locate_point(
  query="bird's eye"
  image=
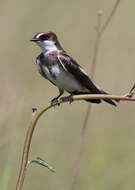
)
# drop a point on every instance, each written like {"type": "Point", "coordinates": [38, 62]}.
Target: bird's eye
{"type": "Point", "coordinates": [44, 37]}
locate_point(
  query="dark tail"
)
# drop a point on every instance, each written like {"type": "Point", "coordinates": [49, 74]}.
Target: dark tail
{"type": "Point", "coordinates": [97, 101]}
{"type": "Point", "coordinates": [109, 100]}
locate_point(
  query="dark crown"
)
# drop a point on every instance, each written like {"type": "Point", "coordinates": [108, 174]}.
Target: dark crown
{"type": "Point", "coordinates": [42, 36]}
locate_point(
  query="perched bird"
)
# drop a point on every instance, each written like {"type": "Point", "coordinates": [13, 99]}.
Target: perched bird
{"type": "Point", "coordinates": [62, 70]}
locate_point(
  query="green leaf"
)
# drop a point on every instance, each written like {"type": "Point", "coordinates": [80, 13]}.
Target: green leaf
{"type": "Point", "coordinates": [41, 162]}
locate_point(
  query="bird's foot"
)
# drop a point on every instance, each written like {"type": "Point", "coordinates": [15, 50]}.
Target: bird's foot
{"type": "Point", "coordinates": [67, 99]}
{"type": "Point", "coordinates": [55, 102]}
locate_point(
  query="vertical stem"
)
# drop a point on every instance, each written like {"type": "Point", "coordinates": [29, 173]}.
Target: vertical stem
{"type": "Point", "coordinates": [26, 147]}
{"type": "Point", "coordinates": [88, 112]}
{"type": "Point", "coordinates": [100, 29]}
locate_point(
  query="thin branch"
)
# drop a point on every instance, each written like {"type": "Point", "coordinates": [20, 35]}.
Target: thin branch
{"type": "Point", "coordinates": [27, 144]}
{"type": "Point", "coordinates": [35, 118]}
{"type": "Point", "coordinates": [132, 89]}
{"type": "Point", "coordinates": [100, 30]}
{"type": "Point", "coordinates": [108, 20]}
{"type": "Point", "coordinates": [102, 96]}
{"type": "Point", "coordinates": [88, 111]}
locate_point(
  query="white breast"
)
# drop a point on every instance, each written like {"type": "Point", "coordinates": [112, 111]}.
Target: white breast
{"type": "Point", "coordinates": [49, 47]}
{"type": "Point", "coordinates": [63, 79]}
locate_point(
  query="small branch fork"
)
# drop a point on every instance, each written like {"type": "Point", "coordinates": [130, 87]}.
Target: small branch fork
{"type": "Point", "coordinates": [38, 114]}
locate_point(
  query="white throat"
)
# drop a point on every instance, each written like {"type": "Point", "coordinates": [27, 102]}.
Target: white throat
{"type": "Point", "coordinates": [47, 46]}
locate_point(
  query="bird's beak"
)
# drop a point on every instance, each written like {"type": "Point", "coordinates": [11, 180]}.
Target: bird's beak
{"type": "Point", "coordinates": [33, 40]}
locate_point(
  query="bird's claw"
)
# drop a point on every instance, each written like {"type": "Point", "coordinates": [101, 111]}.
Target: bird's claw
{"type": "Point", "coordinates": [67, 98]}
{"type": "Point", "coordinates": [55, 102]}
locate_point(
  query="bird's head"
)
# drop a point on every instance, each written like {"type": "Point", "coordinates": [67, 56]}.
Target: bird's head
{"type": "Point", "coordinates": [46, 40]}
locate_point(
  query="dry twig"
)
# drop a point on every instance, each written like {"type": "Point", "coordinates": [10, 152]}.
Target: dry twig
{"type": "Point", "coordinates": [100, 30]}
{"type": "Point", "coordinates": [35, 118]}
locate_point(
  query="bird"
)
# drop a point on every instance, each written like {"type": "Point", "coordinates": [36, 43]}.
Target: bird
{"type": "Point", "coordinates": [55, 65]}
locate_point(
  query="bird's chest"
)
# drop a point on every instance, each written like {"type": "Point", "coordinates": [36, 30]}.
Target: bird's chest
{"type": "Point", "coordinates": [45, 69]}
{"type": "Point", "coordinates": [49, 71]}
{"type": "Point", "coordinates": [59, 76]}
{"type": "Point", "coordinates": [62, 78]}
{"type": "Point", "coordinates": [53, 72]}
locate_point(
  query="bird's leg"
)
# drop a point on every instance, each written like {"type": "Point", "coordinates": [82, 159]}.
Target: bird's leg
{"type": "Point", "coordinates": [55, 101]}
{"type": "Point", "coordinates": [68, 98]}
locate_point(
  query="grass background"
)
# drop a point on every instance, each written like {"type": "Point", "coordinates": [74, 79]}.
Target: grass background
{"type": "Point", "coordinates": [108, 158]}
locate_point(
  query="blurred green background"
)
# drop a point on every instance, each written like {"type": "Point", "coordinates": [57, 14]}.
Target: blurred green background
{"type": "Point", "coordinates": [108, 159]}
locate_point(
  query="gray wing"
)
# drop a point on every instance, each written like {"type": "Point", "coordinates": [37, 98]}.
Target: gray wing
{"type": "Point", "coordinates": [77, 71]}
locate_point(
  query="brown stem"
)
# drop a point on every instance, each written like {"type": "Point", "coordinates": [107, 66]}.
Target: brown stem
{"type": "Point", "coordinates": [88, 111]}
{"type": "Point", "coordinates": [100, 30]}
{"type": "Point", "coordinates": [108, 20]}
{"type": "Point", "coordinates": [26, 147]}
{"type": "Point", "coordinates": [32, 125]}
